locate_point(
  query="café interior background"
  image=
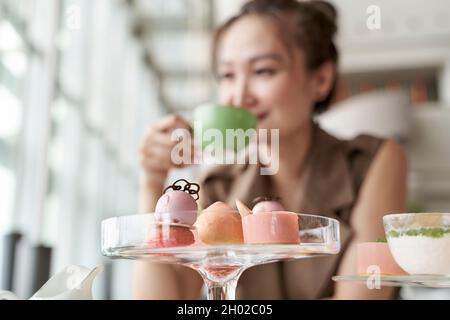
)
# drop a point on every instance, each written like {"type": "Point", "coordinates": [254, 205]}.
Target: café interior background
{"type": "Point", "coordinates": [81, 80]}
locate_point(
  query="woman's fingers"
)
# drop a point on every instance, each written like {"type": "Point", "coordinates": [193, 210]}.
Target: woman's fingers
{"type": "Point", "coordinates": [165, 123]}
{"type": "Point", "coordinates": [178, 157]}
{"type": "Point", "coordinates": [163, 143]}
{"type": "Point", "coordinates": [161, 132]}
{"type": "Point", "coordinates": [158, 139]}
{"type": "Point", "coordinates": [158, 153]}
{"type": "Point", "coordinates": [163, 162]}
{"type": "Point", "coordinates": [172, 122]}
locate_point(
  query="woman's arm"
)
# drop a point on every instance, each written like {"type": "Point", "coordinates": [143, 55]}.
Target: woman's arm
{"type": "Point", "coordinates": [153, 280]}
{"type": "Point", "coordinates": [383, 191]}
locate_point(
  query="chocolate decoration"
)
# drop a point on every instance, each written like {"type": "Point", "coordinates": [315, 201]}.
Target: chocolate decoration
{"type": "Point", "coordinates": [265, 198]}
{"type": "Point", "coordinates": [189, 187]}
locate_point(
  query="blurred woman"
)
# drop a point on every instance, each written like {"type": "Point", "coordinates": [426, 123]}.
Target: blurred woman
{"type": "Point", "coordinates": [278, 60]}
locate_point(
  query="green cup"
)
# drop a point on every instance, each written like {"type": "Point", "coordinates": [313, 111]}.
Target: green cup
{"type": "Point", "coordinates": [229, 127]}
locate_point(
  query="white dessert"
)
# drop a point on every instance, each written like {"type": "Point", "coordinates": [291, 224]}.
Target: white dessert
{"type": "Point", "coordinates": [419, 254]}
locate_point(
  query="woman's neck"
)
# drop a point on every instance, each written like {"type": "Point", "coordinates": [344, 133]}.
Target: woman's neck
{"type": "Point", "coordinates": [293, 152]}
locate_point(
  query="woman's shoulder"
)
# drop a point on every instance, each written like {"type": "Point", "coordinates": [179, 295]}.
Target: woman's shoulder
{"type": "Point", "coordinates": [359, 145]}
{"type": "Point", "coordinates": [364, 146]}
{"type": "Point", "coordinates": [344, 164]}
{"type": "Point", "coordinates": [369, 149]}
{"type": "Point", "coordinates": [364, 150]}
{"type": "Point", "coordinates": [364, 143]}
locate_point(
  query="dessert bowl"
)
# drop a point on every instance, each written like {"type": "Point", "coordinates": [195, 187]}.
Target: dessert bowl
{"type": "Point", "coordinates": [419, 242]}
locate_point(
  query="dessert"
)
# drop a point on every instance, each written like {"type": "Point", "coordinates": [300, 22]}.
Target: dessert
{"type": "Point", "coordinates": [422, 250]}
{"type": "Point", "coordinates": [162, 236]}
{"type": "Point", "coordinates": [176, 206]}
{"type": "Point", "coordinates": [175, 214]}
{"type": "Point", "coordinates": [265, 204]}
{"type": "Point", "coordinates": [420, 242]}
{"type": "Point", "coordinates": [219, 224]}
{"type": "Point", "coordinates": [277, 226]}
{"type": "Point", "coordinates": [375, 257]}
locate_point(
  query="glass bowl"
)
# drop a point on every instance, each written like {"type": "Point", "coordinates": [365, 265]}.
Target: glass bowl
{"type": "Point", "coordinates": [420, 242]}
{"type": "Point", "coordinates": [144, 237]}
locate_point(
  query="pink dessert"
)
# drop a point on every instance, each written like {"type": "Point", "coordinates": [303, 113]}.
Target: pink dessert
{"type": "Point", "coordinates": [373, 257]}
{"type": "Point", "coordinates": [267, 205]}
{"type": "Point", "coordinates": [175, 214]}
{"type": "Point", "coordinates": [261, 227]}
{"type": "Point", "coordinates": [179, 206]}
{"type": "Point", "coordinates": [219, 224]}
{"type": "Point", "coordinates": [170, 236]}
{"type": "Point", "coordinates": [271, 227]}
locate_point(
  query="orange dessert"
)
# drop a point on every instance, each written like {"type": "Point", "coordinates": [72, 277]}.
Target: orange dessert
{"type": "Point", "coordinates": [219, 224]}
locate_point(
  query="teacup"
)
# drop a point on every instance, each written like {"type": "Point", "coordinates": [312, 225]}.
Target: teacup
{"type": "Point", "coordinates": [228, 127]}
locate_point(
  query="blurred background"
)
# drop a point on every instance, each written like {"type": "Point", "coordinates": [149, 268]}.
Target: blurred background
{"type": "Point", "coordinates": [80, 80]}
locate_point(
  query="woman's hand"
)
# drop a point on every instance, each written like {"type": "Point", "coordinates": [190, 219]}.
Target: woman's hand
{"type": "Point", "coordinates": [156, 148]}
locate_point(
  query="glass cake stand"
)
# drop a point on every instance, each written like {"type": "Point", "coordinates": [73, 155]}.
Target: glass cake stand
{"type": "Point", "coordinates": [127, 237]}
{"type": "Point", "coordinates": [413, 280]}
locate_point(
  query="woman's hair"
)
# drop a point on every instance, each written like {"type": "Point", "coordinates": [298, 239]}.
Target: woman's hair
{"type": "Point", "coordinates": [310, 25]}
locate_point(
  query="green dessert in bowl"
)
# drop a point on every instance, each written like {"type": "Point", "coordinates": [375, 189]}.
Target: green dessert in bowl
{"type": "Point", "coordinates": [420, 242]}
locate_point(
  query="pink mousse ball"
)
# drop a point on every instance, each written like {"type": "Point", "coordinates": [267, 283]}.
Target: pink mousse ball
{"type": "Point", "coordinates": [181, 207]}
{"type": "Point", "coordinates": [266, 206]}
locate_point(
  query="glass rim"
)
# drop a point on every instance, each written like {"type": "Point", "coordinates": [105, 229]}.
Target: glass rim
{"type": "Point", "coordinates": [410, 214]}
{"type": "Point", "coordinates": [152, 220]}
{"type": "Point", "coordinates": [220, 210]}
{"type": "Point", "coordinates": [199, 212]}
{"type": "Point", "coordinates": [279, 212]}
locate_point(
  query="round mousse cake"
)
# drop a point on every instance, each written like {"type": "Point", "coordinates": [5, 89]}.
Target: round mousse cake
{"type": "Point", "coordinates": [280, 227]}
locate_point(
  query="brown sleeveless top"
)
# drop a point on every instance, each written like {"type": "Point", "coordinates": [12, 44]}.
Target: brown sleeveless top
{"type": "Point", "coordinates": [334, 172]}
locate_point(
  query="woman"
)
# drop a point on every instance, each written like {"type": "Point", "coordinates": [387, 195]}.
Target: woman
{"type": "Point", "coordinates": [278, 60]}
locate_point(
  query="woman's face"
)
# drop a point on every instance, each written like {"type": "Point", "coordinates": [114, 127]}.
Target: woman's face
{"type": "Point", "coordinates": [256, 71]}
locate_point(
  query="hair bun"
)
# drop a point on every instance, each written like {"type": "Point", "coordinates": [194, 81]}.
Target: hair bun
{"type": "Point", "coordinates": [326, 8]}
{"type": "Point", "coordinates": [328, 14]}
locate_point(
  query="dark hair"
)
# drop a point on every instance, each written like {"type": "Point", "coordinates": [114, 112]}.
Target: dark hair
{"type": "Point", "coordinates": [314, 24]}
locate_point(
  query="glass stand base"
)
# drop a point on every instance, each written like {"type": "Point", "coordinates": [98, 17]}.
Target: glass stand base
{"type": "Point", "coordinates": [221, 281]}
